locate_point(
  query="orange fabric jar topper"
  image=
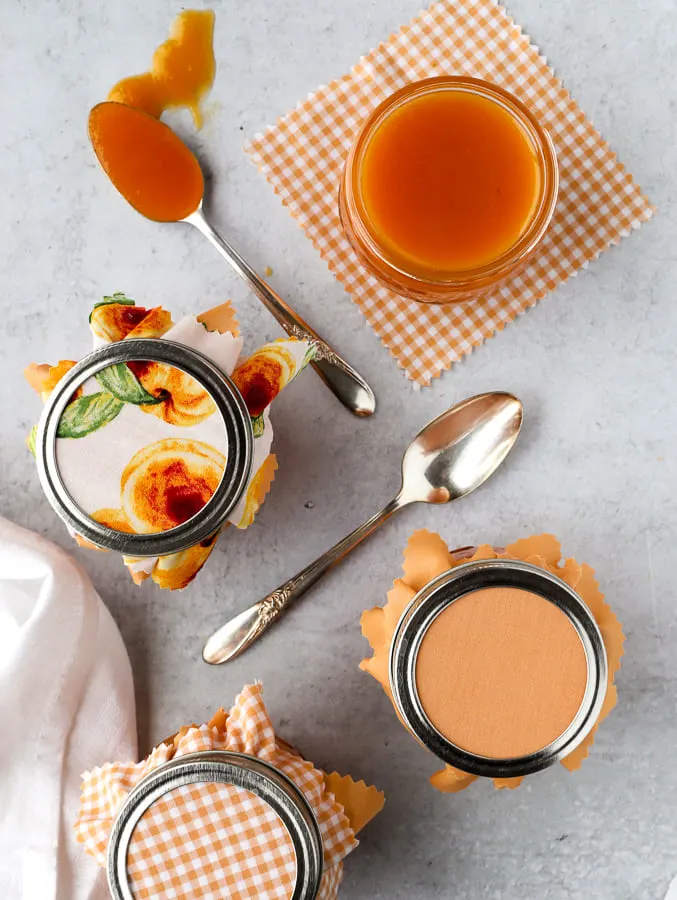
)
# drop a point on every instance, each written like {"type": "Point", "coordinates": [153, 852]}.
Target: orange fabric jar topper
{"type": "Point", "coordinates": [500, 672]}
{"type": "Point", "coordinates": [147, 452]}
{"type": "Point", "coordinates": [220, 835]}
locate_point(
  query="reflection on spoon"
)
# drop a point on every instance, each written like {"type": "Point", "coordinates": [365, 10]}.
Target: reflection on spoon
{"type": "Point", "coordinates": [159, 176]}
{"type": "Point", "coordinates": [453, 455]}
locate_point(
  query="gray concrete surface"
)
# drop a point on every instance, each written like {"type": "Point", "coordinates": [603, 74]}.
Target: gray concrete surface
{"type": "Point", "coordinates": [594, 364]}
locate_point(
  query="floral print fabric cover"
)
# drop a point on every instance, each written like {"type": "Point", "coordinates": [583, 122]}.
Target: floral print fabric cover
{"type": "Point", "coordinates": [183, 841]}
{"type": "Point", "coordinates": [156, 470]}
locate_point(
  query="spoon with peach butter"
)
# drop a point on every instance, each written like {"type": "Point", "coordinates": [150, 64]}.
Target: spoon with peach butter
{"type": "Point", "coordinates": [161, 178]}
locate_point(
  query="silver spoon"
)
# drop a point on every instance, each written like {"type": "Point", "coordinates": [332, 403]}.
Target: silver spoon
{"type": "Point", "coordinates": [345, 383]}
{"type": "Point", "coordinates": [449, 458]}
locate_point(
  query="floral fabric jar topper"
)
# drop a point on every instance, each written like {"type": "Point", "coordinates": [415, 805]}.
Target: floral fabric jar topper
{"type": "Point", "coordinates": [140, 446]}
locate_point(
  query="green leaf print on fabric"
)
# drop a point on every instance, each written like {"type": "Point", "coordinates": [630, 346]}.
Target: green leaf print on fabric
{"type": "Point", "coordinates": [32, 438]}
{"type": "Point", "coordinates": [121, 382]}
{"type": "Point", "coordinates": [87, 414]}
{"type": "Point", "coordinates": [117, 297]}
{"type": "Point", "coordinates": [258, 425]}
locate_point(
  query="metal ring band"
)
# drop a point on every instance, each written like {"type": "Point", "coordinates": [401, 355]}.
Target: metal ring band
{"type": "Point", "coordinates": [222, 767]}
{"type": "Point", "coordinates": [239, 441]}
{"type": "Point", "coordinates": [444, 590]}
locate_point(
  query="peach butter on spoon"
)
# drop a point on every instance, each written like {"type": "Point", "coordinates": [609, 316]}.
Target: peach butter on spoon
{"type": "Point", "coordinates": [161, 178]}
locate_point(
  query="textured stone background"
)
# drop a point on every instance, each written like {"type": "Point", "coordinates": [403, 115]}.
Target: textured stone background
{"type": "Point", "coordinates": [594, 365]}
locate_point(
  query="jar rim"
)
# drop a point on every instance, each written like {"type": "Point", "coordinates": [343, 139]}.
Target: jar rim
{"type": "Point", "coordinates": [460, 279]}
{"type": "Point", "coordinates": [226, 767]}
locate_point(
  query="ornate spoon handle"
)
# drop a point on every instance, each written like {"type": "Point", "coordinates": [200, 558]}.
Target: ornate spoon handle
{"type": "Point", "coordinates": [345, 383]}
{"type": "Point", "coordinates": [244, 629]}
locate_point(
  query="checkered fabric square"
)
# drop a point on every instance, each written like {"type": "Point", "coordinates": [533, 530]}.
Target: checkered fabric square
{"type": "Point", "coordinates": [222, 841]}
{"type": "Point", "coordinates": [215, 841]}
{"type": "Point", "coordinates": [302, 156]}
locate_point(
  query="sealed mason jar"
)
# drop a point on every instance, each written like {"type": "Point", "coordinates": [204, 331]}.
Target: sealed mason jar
{"type": "Point", "coordinates": [448, 189]}
{"type": "Point", "coordinates": [500, 662]}
{"type": "Point", "coordinates": [283, 830]}
{"type": "Point", "coordinates": [498, 668]}
{"type": "Point", "coordinates": [162, 436]}
{"type": "Point", "coordinates": [223, 809]}
{"type": "Point", "coordinates": [144, 486]}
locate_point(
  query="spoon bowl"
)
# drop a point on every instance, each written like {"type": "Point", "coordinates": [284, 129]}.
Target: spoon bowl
{"type": "Point", "coordinates": [452, 456]}
{"type": "Point", "coordinates": [456, 452]}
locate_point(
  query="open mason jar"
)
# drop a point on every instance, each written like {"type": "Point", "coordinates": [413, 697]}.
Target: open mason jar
{"type": "Point", "coordinates": [448, 189]}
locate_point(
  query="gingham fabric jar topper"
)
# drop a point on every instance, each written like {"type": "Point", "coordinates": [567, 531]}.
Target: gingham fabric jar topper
{"type": "Point", "coordinates": [224, 809]}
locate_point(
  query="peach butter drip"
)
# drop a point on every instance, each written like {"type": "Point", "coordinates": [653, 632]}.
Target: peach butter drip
{"type": "Point", "coordinates": [150, 165]}
{"type": "Point", "coordinates": [182, 71]}
{"type": "Point", "coordinates": [501, 672]}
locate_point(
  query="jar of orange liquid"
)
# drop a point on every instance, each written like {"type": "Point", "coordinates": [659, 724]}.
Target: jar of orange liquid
{"type": "Point", "coordinates": [448, 189]}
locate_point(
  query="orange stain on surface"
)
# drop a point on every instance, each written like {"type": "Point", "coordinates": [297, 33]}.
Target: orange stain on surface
{"type": "Point", "coordinates": [150, 165]}
{"type": "Point", "coordinates": [182, 71]}
{"type": "Point", "coordinates": [450, 181]}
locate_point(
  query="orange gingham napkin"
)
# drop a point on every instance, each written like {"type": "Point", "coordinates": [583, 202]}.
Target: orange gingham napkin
{"type": "Point", "coordinates": [302, 156]}
{"type": "Point", "coordinates": [221, 838]}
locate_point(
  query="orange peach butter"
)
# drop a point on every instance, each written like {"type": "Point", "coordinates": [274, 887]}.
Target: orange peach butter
{"type": "Point", "coordinates": [151, 167]}
{"type": "Point", "coordinates": [450, 182]}
{"type": "Point", "coordinates": [501, 672]}
{"type": "Point", "coordinates": [182, 71]}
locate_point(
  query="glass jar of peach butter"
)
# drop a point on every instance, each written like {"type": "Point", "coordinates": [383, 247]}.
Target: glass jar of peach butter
{"type": "Point", "coordinates": [448, 189]}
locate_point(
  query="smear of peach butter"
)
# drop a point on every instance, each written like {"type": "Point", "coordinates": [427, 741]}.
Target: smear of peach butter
{"type": "Point", "coordinates": [149, 164]}
{"type": "Point", "coordinates": [182, 71]}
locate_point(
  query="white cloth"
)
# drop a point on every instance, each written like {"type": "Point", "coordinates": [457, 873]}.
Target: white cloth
{"type": "Point", "coordinates": [66, 705]}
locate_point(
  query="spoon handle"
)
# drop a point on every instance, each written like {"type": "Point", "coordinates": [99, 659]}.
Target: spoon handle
{"type": "Point", "coordinates": [247, 627]}
{"type": "Point", "coordinates": [345, 383]}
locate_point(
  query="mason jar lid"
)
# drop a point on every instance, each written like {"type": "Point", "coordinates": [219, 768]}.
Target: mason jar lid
{"type": "Point", "coordinates": [220, 767]}
{"type": "Point", "coordinates": [445, 590]}
{"type": "Point", "coordinates": [125, 455]}
{"type": "Point", "coordinates": [397, 267]}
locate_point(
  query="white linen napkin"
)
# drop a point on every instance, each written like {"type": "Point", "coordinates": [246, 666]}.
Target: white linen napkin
{"type": "Point", "coordinates": [66, 705]}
